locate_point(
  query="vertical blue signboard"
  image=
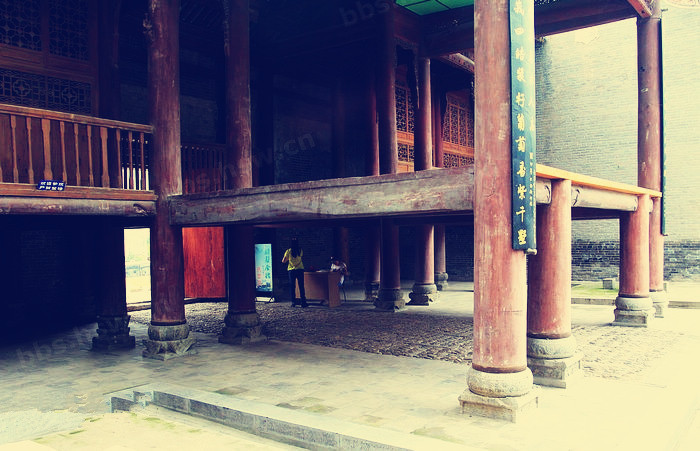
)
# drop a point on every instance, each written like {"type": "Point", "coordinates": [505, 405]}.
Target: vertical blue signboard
{"type": "Point", "coordinates": [263, 268]}
{"type": "Point", "coordinates": [522, 76]}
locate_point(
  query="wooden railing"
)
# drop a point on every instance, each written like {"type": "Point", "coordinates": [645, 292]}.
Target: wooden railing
{"type": "Point", "coordinates": [203, 167]}
{"type": "Point", "coordinates": [78, 150]}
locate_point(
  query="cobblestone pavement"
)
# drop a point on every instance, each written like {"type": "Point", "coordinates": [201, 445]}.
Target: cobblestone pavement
{"type": "Point", "coordinates": [608, 351]}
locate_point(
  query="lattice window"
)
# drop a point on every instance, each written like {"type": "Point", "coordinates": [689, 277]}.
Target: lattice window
{"type": "Point", "coordinates": [405, 116]}
{"type": "Point", "coordinates": [68, 95]}
{"type": "Point", "coordinates": [453, 160]}
{"type": "Point", "coordinates": [20, 23]}
{"type": "Point", "coordinates": [455, 126]}
{"type": "Point", "coordinates": [406, 152]}
{"type": "Point", "coordinates": [39, 91]}
{"type": "Point", "coordinates": [68, 29]}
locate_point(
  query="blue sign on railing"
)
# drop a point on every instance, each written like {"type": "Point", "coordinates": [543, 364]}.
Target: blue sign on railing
{"type": "Point", "coordinates": [522, 76]}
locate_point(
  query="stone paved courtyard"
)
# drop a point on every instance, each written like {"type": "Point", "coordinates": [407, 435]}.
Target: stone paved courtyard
{"type": "Point", "coordinates": [442, 331]}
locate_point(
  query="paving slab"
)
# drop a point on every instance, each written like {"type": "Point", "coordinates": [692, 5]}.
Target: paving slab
{"type": "Point", "coordinates": [639, 388]}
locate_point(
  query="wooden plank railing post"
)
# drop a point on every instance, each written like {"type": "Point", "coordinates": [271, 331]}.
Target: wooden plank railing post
{"type": "Point", "coordinates": [63, 150]}
{"type": "Point", "coordinates": [30, 169]}
{"type": "Point", "coordinates": [46, 131]}
{"type": "Point", "coordinates": [131, 160]}
{"type": "Point", "coordinates": [105, 160]}
{"type": "Point", "coordinates": [118, 135]}
{"type": "Point", "coordinates": [143, 162]}
{"type": "Point", "coordinates": [15, 170]}
{"type": "Point", "coordinates": [89, 141]}
{"type": "Point", "coordinates": [76, 138]}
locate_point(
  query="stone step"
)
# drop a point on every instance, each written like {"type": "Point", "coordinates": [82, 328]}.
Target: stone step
{"type": "Point", "coordinates": [277, 423]}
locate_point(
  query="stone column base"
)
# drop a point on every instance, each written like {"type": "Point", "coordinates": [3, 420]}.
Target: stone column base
{"type": "Point", "coordinates": [503, 396]}
{"type": "Point", "coordinates": [242, 328]}
{"type": "Point", "coordinates": [441, 280]}
{"type": "Point", "coordinates": [167, 342]}
{"type": "Point", "coordinates": [371, 291]}
{"type": "Point", "coordinates": [423, 294]}
{"type": "Point", "coordinates": [659, 300]}
{"type": "Point", "coordinates": [555, 372]}
{"type": "Point", "coordinates": [389, 299]}
{"type": "Point", "coordinates": [113, 334]}
{"type": "Point", "coordinates": [633, 312]}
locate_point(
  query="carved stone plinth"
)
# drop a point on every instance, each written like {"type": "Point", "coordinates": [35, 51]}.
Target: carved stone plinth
{"type": "Point", "coordinates": [242, 328]}
{"type": "Point", "coordinates": [633, 312]}
{"type": "Point", "coordinates": [559, 373]}
{"type": "Point", "coordinates": [167, 342]}
{"type": "Point", "coordinates": [389, 299]}
{"type": "Point", "coordinates": [371, 291]}
{"type": "Point", "coordinates": [503, 396]}
{"type": "Point", "coordinates": [441, 280]}
{"type": "Point", "coordinates": [423, 294]}
{"type": "Point", "coordinates": [659, 300]}
{"type": "Point", "coordinates": [113, 334]}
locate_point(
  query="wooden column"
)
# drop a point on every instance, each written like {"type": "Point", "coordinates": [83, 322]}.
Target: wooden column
{"type": "Point", "coordinates": [649, 142]}
{"type": "Point", "coordinates": [168, 332]}
{"type": "Point", "coordinates": [238, 126]}
{"type": "Point", "coordinates": [242, 323]}
{"type": "Point", "coordinates": [112, 319]}
{"type": "Point", "coordinates": [634, 307]}
{"type": "Point", "coordinates": [441, 275]}
{"type": "Point", "coordinates": [109, 14]}
{"type": "Point", "coordinates": [341, 247]}
{"type": "Point", "coordinates": [550, 345]}
{"type": "Point", "coordinates": [373, 232]}
{"type": "Point", "coordinates": [424, 290]}
{"type": "Point", "coordinates": [390, 296]}
{"type": "Point", "coordinates": [499, 362]}
{"type": "Point", "coordinates": [386, 94]}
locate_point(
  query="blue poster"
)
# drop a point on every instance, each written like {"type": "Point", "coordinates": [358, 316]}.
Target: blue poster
{"type": "Point", "coordinates": [263, 268]}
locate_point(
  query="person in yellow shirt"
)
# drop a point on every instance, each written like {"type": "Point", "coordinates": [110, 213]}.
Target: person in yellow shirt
{"type": "Point", "coordinates": [295, 270]}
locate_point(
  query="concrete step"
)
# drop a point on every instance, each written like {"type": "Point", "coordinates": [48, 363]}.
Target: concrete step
{"type": "Point", "coordinates": [277, 423]}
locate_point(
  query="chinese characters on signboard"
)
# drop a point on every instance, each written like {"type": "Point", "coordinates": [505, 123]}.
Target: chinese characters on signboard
{"type": "Point", "coordinates": [522, 63]}
{"type": "Point", "coordinates": [263, 268]}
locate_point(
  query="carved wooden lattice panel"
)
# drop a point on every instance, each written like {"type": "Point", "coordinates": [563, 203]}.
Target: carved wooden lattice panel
{"type": "Point", "coordinates": [20, 23]}
{"type": "Point", "coordinates": [401, 108]}
{"type": "Point", "coordinates": [68, 29]}
{"type": "Point", "coordinates": [405, 116]}
{"type": "Point", "coordinates": [406, 152]}
{"type": "Point", "coordinates": [39, 91]}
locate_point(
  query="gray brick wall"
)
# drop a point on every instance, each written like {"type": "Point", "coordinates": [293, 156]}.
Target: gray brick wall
{"type": "Point", "coordinates": [587, 123]}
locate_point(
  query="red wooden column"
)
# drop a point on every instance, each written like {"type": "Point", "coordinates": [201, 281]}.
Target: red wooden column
{"type": "Point", "coordinates": [499, 362]}
{"type": "Point", "coordinates": [424, 290]}
{"type": "Point", "coordinates": [634, 306]}
{"type": "Point", "coordinates": [373, 235]}
{"type": "Point", "coordinates": [441, 275]}
{"type": "Point", "coordinates": [168, 332]}
{"type": "Point", "coordinates": [649, 143]}
{"type": "Point", "coordinates": [242, 322]}
{"type": "Point", "coordinates": [390, 296]}
{"type": "Point", "coordinates": [551, 348]}
{"type": "Point", "coordinates": [112, 320]}
{"type": "Point", "coordinates": [341, 248]}
{"type": "Point", "coordinates": [109, 13]}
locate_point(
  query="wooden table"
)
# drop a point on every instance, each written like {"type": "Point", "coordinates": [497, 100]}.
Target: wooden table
{"type": "Point", "coordinates": [322, 286]}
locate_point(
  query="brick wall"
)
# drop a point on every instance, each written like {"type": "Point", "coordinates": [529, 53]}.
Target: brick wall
{"type": "Point", "coordinates": [587, 123]}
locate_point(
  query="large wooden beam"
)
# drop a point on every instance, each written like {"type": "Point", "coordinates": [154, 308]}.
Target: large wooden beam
{"type": "Point", "coordinates": [453, 31]}
{"type": "Point", "coordinates": [14, 205]}
{"type": "Point", "coordinates": [426, 193]}
{"type": "Point", "coordinates": [407, 195]}
{"type": "Point", "coordinates": [643, 7]}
